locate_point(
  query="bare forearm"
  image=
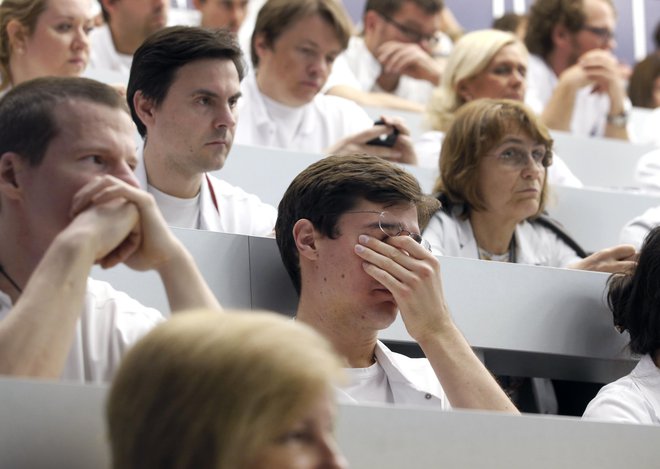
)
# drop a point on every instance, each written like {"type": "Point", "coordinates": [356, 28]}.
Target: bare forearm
{"type": "Point", "coordinates": [184, 284]}
{"type": "Point", "coordinates": [465, 380]}
{"type": "Point", "coordinates": [558, 111]}
{"type": "Point", "coordinates": [36, 336]}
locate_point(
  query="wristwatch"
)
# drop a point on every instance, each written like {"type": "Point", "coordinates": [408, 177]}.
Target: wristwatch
{"type": "Point", "coordinates": [618, 120]}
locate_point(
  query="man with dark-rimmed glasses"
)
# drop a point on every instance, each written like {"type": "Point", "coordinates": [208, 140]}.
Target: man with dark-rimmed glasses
{"type": "Point", "coordinates": [393, 61]}
{"type": "Point", "coordinates": [574, 81]}
{"type": "Point", "coordinates": [348, 230]}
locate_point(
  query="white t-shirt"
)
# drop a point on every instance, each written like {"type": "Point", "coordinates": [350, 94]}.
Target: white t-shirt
{"type": "Point", "coordinates": [218, 207]}
{"type": "Point", "coordinates": [429, 144]}
{"type": "Point", "coordinates": [325, 120]}
{"type": "Point", "coordinates": [109, 324]}
{"type": "Point", "coordinates": [647, 171]}
{"type": "Point", "coordinates": [356, 67]}
{"type": "Point", "coordinates": [635, 398]}
{"type": "Point", "coordinates": [105, 63]}
{"type": "Point", "coordinates": [590, 109]}
{"type": "Point", "coordinates": [369, 384]}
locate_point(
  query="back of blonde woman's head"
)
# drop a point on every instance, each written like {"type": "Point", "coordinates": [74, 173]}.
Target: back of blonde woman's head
{"type": "Point", "coordinates": [208, 389]}
{"type": "Point", "coordinates": [470, 56]}
{"type": "Point", "coordinates": [26, 12]}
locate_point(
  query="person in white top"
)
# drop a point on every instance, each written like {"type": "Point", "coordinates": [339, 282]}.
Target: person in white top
{"type": "Point", "coordinates": [228, 14]}
{"type": "Point", "coordinates": [43, 38]}
{"type": "Point", "coordinates": [127, 24]}
{"type": "Point", "coordinates": [294, 45]}
{"type": "Point", "coordinates": [69, 200]}
{"type": "Point", "coordinates": [392, 63]}
{"type": "Point", "coordinates": [348, 234]}
{"type": "Point", "coordinates": [483, 64]}
{"type": "Point", "coordinates": [575, 82]}
{"type": "Point", "coordinates": [183, 92]}
{"type": "Point", "coordinates": [633, 299]}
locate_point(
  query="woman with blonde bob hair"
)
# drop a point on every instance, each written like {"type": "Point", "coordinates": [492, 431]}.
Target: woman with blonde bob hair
{"type": "Point", "coordinates": [483, 64]}
{"type": "Point", "coordinates": [239, 390]}
{"type": "Point", "coordinates": [43, 38]}
{"type": "Point", "coordinates": [493, 187]}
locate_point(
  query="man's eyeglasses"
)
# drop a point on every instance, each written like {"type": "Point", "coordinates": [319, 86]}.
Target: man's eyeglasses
{"type": "Point", "coordinates": [392, 227]}
{"type": "Point", "coordinates": [412, 34]}
{"type": "Point", "coordinates": [604, 34]}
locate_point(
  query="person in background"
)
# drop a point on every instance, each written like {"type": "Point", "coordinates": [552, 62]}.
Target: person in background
{"type": "Point", "coordinates": [633, 299]}
{"type": "Point", "coordinates": [294, 45]}
{"type": "Point", "coordinates": [227, 14]}
{"type": "Point", "coordinates": [246, 390]}
{"type": "Point", "coordinates": [644, 84]}
{"type": "Point", "coordinates": [513, 23]}
{"type": "Point", "coordinates": [483, 64]}
{"type": "Point", "coordinates": [43, 38]}
{"type": "Point", "coordinates": [575, 82]}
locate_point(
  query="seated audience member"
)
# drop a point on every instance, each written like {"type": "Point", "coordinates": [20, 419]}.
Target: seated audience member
{"type": "Point", "coordinates": [483, 64]}
{"type": "Point", "coordinates": [231, 391]}
{"type": "Point", "coordinates": [128, 24]}
{"type": "Point", "coordinates": [644, 84]}
{"type": "Point", "coordinates": [43, 38]}
{"type": "Point", "coordinates": [513, 23]}
{"type": "Point", "coordinates": [493, 188]}
{"type": "Point", "coordinates": [647, 170]}
{"type": "Point", "coordinates": [183, 92]}
{"type": "Point", "coordinates": [633, 299]}
{"type": "Point", "coordinates": [68, 200]}
{"type": "Point", "coordinates": [227, 14]}
{"type": "Point", "coordinates": [392, 63]}
{"type": "Point", "coordinates": [638, 228]}
{"type": "Point", "coordinates": [348, 234]}
{"type": "Point", "coordinates": [293, 47]}
{"type": "Point", "coordinates": [575, 82]}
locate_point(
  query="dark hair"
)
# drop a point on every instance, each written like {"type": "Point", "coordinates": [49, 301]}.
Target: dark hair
{"type": "Point", "coordinates": [334, 185]}
{"type": "Point", "coordinates": [640, 85]}
{"type": "Point", "coordinates": [509, 22]}
{"type": "Point", "coordinates": [276, 16]}
{"type": "Point", "coordinates": [480, 126]}
{"type": "Point", "coordinates": [656, 37]}
{"type": "Point", "coordinates": [634, 297]}
{"type": "Point", "coordinates": [391, 7]}
{"type": "Point", "coordinates": [157, 60]}
{"type": "Point", "coordinates": [544, 15]}
{"type": "Point", "coordinates": [27, 112]}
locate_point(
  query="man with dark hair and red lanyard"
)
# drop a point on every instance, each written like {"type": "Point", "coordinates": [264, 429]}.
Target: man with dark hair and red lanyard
{"type": "Point", "coordinates": [183, 91]}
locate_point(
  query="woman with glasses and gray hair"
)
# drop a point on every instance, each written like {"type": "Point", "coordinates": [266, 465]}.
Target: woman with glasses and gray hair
{"type": "Point", "coordinates": [493, 186]}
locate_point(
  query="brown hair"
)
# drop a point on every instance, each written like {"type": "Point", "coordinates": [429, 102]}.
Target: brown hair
{"type": "Point", "coordinates": [544, 15]}
{"type": "Point", "coordinates": [334, 185]}
{"type": "Point", "coordinates": [391, 7]}
{"type": "Point", "coordinates": [209, 389]}
{"type": "Point", "coordinates": [27, 13]}
{"type": "Point", "coordinates": [478, 128]}
{"type": "Point", "coordinates": [276, 16]}
{"type": "Point", "coordinates": [641, 84]}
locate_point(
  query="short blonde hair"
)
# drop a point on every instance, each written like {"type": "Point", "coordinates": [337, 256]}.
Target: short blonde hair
{"type": "Point", "coordinates": [209, 389]}
{"type": "Point", "coordinates": [478, 128]}
{"type": "Point", "coordinates": [27, 13]}
{"type": "Point", "coordinates": [470, 56]}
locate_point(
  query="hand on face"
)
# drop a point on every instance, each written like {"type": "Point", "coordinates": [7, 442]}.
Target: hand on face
{"type": "Point", "coordinates": [412, 275]}
{"type": "Point", "coordinates": [402, 151]}
{"type": "Point", "coordinates": [140, 237]}
{"type": "Point", "coordinates": [410, 59]}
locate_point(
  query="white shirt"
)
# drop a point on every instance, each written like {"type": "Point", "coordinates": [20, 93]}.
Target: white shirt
{"type": "Point", "coordinates": [647, 171]}
{"type": "Point", "coordinates": [535, 244]}
{"type": "Point", "coordinates": [635, 398]}
{"type": "Point", "coordinates": [236, 211]}
{"type": "Point", "coordinates": [109, 324]}
{"type": "Point", "coordinates": [105, 63]}
{"type": "Point", "coordinates": [636, 230]}
{"type": "Point", "coordinates": [358, 68]}
{"type": "Point", "coordinates": [412, 381]}
{"type": "Point", "coordinates": [590, 109]}
{"type": "Point", "coordinates": [325, 120]}
{"type": "Point", "coordinates": [429, 145]}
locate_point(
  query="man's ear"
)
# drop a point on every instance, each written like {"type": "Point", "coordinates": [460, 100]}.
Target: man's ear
{"type": "Point", "coordinates": [261, 45]}
{"type": "Point", "coordinates": [369, 20]}
{"type": "Point", "coordinates": [304, 235]}
{"type": "Point", "coordinates": [11, 165]}
{"type": "Point", "coordinates": [109, 6]}
{"type": "Point", "coordinates": [144, 108]}
{"type": "Point", "coordinates": [561, 36]}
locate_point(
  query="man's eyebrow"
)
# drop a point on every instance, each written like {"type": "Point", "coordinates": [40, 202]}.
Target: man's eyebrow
{"type": "Point", "coordinates": [237, 95]}
{"type": "Point", "coordinates": [204, 92]}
